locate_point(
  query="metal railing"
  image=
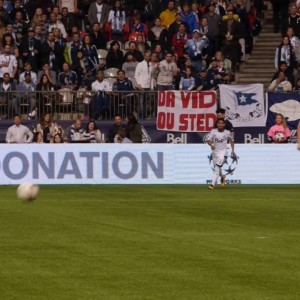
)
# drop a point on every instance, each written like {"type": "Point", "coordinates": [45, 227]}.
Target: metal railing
{"type": "Point", "coordinates": [66, 104]}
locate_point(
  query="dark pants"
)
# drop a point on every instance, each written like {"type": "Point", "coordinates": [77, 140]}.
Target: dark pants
{"type": "Point", "coordinates": [100, 106]}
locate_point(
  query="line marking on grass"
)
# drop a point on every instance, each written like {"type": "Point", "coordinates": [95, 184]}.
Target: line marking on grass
{"type": "Point", "coordinates": [261, 237]}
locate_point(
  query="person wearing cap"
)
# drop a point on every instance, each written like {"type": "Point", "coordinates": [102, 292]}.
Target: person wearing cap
{"type": "Point", "coordinates": [168, 15]}
{"type": "Point", "coordinates": [188, 16]}
{"type": "Point", "coordinates": [221, 115]}
{"type": "Point", "coordinates": [30, 49]}
{"type": "Point", "coordinates": [196, 49]}
{"type": "Point", "coordinates": [26, 95]}
{"type": "Point", "coordinates": [203, 81]}
{"type": "Point", "coordinates": [28, 69]}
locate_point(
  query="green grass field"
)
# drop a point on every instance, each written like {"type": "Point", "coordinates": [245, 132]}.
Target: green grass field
{"type": "Point", "coordinates": [151, 242]}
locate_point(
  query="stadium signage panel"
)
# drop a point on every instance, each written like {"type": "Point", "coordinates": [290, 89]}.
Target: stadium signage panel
{"type": "Point", "coordinates": [186, 111]}
{"type": "Point", "coordinates": [145, 164]}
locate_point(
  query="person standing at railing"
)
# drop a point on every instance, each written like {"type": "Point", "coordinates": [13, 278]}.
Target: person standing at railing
{"type": "Point", "coordinates": [143, 80]}
{"type": "Point", "coordinates": [100, 101]}
{"type": "Point", "coordinates": [18, 133]}
{"type": "Point", "coordinates": [8, 63]}
{"type": "Point", "coordinates": [165, 72]}
{"type": "Point", "coordinates": [124, 97]}
{"type": "Point", "coordinates": [7, 95]}
{"type": "Point", "coordinates": [26, 95]}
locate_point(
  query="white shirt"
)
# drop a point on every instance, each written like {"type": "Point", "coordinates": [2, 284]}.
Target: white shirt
{"type": "Point", "coordinates": [19, 134]}
{"type": "Point", "coordinates": [220, 139]}
{"type": "Point", "coordinates": [98, 86]}
{"type": "Point", "coordinates": [33, 77]}
{"type": "Point", "coordinates": [60, 26]}
{"type": "Point", "coordinates": [142, 74]}
{"type": "Point", "coordinates": [12, 63]}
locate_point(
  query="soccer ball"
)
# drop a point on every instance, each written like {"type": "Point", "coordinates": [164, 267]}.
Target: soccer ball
{"type": "Point", "coordinates": [27, 191]}
{"type": "Point", "coordinates": [279, 137]}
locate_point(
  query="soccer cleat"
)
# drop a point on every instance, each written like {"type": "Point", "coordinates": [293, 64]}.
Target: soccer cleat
{"type": "Point", "coordinates": [223, 180]}
{"type": "Point", "coordinates": [210, 187]}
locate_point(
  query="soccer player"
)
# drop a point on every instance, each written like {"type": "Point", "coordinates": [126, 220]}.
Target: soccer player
{"type": "Point", "coordinates": [228, 125]}
{"type": "Point", "coordinates": [217, 140]}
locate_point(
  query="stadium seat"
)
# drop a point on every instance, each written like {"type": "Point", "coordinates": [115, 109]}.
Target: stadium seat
{"type": "Point", "coordinates": [102, 53]}
{"type": "Point", "coordinates": [111, 73]}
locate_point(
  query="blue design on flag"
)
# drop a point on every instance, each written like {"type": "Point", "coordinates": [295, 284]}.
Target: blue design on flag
{"type": "Point", "coordinates": [245, 98]}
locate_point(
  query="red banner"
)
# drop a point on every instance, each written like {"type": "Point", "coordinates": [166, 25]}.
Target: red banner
{"type": "Point", "coordinates": [186, 111]}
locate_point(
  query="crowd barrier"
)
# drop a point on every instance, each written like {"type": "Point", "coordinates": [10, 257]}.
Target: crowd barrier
{"type": "Point", "coordinates": [66, 104]}
{"type": "Point", "coordinates": [147, 164]}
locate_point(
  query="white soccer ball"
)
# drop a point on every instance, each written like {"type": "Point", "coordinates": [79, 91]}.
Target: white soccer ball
{"type": "Point", "coordinates": [279, 137]}
{"type": "Point", "coordinates": [27, 191]}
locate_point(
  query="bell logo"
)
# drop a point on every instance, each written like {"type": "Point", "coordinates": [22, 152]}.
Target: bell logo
{"type": "Point", "coordinates": [171, 139]}
{"type": "Point", "coordinates": [248, 139]}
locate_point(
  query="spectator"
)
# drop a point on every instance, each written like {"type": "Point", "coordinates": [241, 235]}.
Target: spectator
{"type": "Point", "coordinates": [57, 139]}
{"type": "Point", "coordinates": [294, 42]}
{"type": "Point", "coordinates": [165, 72]}
{"type": "Point", "coordinates": [67, 18]}
{"type": "Point", "coordinates": [158, 35]}
{"type": "Point", "coordinates": [285, 53]}
{"type": "Point", "coordinates": [47, 71]}
{"type": "Point", "coordinates": [40, 34]}
{"type": "Point", "coordinates": [75, 46]}
{"type": "Point", "coordinates": [28, 69]}
{"type": "Point", "coordinates": [281, 84]}
{"type": "Point", "coordinates": [18, 133]}
{"type": "Point", "coordinates": [76, 131]}
{"type": "Point", "coordinates": [98, 12]}
{"type": "Point", "coordinates": [46, 127]}
{"type": "Point", "coordinates": [37, 17]}
{"type": "Point", "coordinates": [115, 57]}
{"type": "Point", "coordinates": [67, 78]}
{"type": "Point", "coordinates": [133, 129]}
{"type": "Point", "coordinates": [196, 49]}
{"type": "Point", "coordinates": [100, 102]}
{"type": "Point", "coordinates": [143, 80]}
{"type": "Point", "coordinates": [19, 25]}
{"type": "Point", "coordinates": [214, 74]}
{"type": "Point", "coordinates": [121, 137]}
{"type": "Point", "coordinates": [141, 45]}
{"type": "Point", "coordinates": [26, 94]}
{"type": "Point", "coordinates": [203, 82]}
{"type": "Point", "coordinates": [149, 12]}
{"type": "Point", "coordinates": [230, 39]}
{"type": "Point", "coordinates": [97, 36]}
{"type": "Point", "coordinates": [280, 128]}
{"type": "Point", "coordinates": [52, 53]}
{"type": "Point", "coordinates": [129, 66]}
{"type": "Point", "coordinates": [288, 73]}
{"type": "Point", "coordinates": [90, 52]}
{"type": "Point", "coordinates": [195, 10]}
{"type": "Point", "coordinates": [45, 95]}
{"type": "Point", "coordinates": [92, 133]}
{"type": "Point", "coordinates": [55, 23]}
{"type": "Point", "coordinates": [297, 86]}
{"type": "Point", "coordinates": [188, 17]}
{"type": "Point", "coordinates": [219, 8]}
{"type": "Point", "coordinates": [7, 96]}
{"type": "Point", "coordinates": [174, 28]}
{"type": "Point", "coordinates": [7, 39]}
{"type": "Point", "coordinates": [117, 19]}
{"type": "Point", "coordinates": [187, 82]}
{"type": "Point", "coordinates": [293, 20]}
{"type": "Point", "coordinates": [179, 41]}
{"type": "Point", "coordinates": [37, 138]}
{"type": "Point", "coordinates": [168, 15]}
{"type": "Point", "coordinates": [8, 63]}
{"type": "Point", "coordinates": [115, 128]}
{"type": "Point", "coordinates": [134, 51]}
{"type": "Point", "coordinates": [30, 49]}
{"type": "Point", "coordinates": [124, 88]}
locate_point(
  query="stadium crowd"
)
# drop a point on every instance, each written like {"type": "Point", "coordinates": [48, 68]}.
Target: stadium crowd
{"type": "Point", "coordinates": [119, 46]}
{"type": "Point", "coordinates": [286, 17]}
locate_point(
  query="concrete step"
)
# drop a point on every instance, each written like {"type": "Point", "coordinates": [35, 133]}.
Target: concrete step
{"type": "Point", "coordinates": [261, 61]}
{"type": "Point", "coordinates": [253, 80]}
{"type": "Point", "coordinates": [267, 45]}
{"type": "Point", "coordinates": [264, 34]}
{"type": "Point", "coordinates": [262, 56]}
{"type": "Point", "coordinates": [256, 76]}
{"type": "Point", "coordinates": [263, 70]}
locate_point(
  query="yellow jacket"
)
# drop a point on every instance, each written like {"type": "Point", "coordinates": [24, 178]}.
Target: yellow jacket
{"type": "Point", "coordinates": [167, 17]}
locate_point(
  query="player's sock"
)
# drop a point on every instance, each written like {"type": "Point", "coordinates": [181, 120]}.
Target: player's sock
{"type": "Point", "coordinates": [216, 175]}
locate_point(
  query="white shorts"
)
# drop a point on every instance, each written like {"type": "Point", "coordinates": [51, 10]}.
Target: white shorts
{"type": "Point", "coordinates": [219, 158]}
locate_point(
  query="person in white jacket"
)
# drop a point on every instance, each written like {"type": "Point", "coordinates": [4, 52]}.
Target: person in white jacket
{"type": "Point", "coordinates": [281, 84]}
{"type": "Point", "coordinates": [142, 76]}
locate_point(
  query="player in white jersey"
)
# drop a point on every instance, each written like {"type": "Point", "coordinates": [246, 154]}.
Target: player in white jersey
{"type": "Point", "coordinates": [217, 140]}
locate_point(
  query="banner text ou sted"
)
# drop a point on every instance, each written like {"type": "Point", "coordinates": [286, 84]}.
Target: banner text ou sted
{"type": "Point", "coordinates": [186, 111]}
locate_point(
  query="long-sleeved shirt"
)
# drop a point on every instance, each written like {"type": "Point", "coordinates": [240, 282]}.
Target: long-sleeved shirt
{"type": "Point", "coordinates": [19, 134]}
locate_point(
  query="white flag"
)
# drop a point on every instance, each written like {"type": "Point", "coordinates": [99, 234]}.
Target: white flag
{"type": "Point", "coordinates": [244, 104]}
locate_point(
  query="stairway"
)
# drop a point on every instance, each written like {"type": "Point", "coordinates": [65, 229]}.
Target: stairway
{"type": "Point", "coordinates": [259, 67]}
